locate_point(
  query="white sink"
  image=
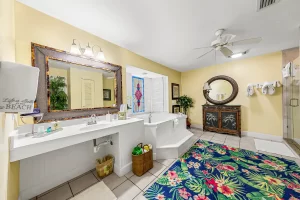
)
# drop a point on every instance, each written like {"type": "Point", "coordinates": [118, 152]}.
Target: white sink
{"type": "Point", "coordinates": [95, 126]}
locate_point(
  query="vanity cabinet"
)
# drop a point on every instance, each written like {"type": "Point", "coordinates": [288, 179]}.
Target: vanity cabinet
{"type": "Point", "coordinates": [222, 119]}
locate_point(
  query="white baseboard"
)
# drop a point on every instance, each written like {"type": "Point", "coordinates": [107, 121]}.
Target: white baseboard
{"type": "Point", "coordinates": [297, 140]}
{"type": "Point", "coordinates": [124, 170]}
{"type": "Point", "coordinates": [262, 136]}
{"type": "Point", "coordinates": [197, 126]}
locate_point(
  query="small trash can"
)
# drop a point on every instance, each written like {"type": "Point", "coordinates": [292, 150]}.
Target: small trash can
{"type": "Point", "coordinates": [105, 166]}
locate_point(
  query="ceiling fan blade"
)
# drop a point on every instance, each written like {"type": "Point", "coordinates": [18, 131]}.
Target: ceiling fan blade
{"type": "Point", "coordinates": [226, 52]}
{"type": "Point", "coordinates": [245, 42]}
{"type": "Point", "coordinates": [205, 53]}
{"type": "Point", "coordinates": [203, 48]}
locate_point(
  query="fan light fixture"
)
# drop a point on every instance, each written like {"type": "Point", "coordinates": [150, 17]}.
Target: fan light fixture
{"type": "Point", "coordinates": [237, 55]}
{"type": "Point", "coordinates": [88, 51]}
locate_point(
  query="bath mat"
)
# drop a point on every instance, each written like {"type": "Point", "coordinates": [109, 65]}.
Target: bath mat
{"type": "Point", "coordinates": [96, 192]}
{"type": "Point", "coordinates": [216, 171]}
{"type": "Point", "coordinates": [273, 147]}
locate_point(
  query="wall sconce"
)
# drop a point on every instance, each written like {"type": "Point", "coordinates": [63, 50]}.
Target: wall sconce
{"type": "Point", "coordinates": [206, 89]}
{"type": "Point", "coordinates": [88, 51]}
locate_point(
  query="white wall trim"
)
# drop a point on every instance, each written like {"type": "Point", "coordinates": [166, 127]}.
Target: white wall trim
{"type": "Point", "coordinates": [262, 136]}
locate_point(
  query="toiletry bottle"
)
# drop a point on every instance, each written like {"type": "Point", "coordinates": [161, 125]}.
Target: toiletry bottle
{"type": "Point", "coordinates": [108, 117]}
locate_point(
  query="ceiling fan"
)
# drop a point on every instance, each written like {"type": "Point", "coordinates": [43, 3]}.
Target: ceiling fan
{"type": "Point", "coordinates": [223, 41]}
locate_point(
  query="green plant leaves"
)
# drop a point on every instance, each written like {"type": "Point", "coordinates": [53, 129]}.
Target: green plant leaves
{"type": "Point", "coordinates": [194, 185]}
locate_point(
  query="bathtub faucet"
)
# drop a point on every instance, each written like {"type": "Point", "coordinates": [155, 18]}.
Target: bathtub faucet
{"type": "Point", "coordinates": [149, 118]}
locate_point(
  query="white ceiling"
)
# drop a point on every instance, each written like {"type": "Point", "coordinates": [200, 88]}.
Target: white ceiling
{"type": "Point", "coordinates": [167, 31]}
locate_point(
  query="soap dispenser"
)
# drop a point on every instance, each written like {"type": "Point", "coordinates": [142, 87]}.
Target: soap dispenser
{"type": "Point", "coordinates": [108, 117]}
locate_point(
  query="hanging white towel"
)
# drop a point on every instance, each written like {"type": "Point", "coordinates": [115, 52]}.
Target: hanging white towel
{"type": "Point", "coordinates": [264, 88]}
{"type": "Point", "coordinates": [286, 71]}
{"type": "Point", "coordinates": [250, 90]}
{"type": "Point", "coordinates": [271, 89]}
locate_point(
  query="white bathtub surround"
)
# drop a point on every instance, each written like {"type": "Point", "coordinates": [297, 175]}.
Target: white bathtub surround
{"type": "Point", "coordinates": [168, 134]}
{"type": "Point", "coordinates": [56, 158]}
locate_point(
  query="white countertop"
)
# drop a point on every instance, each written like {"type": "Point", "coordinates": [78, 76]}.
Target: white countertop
{"type": "Point", "coordinates": [23, 147]}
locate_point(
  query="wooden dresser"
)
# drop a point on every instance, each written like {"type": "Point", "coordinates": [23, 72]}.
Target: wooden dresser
{"type": "Point", "coordinates": [222, 119]}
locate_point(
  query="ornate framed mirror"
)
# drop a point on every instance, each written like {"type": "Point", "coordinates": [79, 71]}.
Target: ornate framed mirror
{"type": "Point", "coordinates": [72, 86]}
{"type": "Point", "coordinates": [222, 90]}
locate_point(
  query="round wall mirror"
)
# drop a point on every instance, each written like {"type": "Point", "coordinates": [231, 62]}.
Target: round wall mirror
{"type": "Point", "coordinates": [222, 90]}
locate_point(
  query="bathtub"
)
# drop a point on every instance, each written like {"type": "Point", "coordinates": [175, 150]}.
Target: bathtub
{"type": "Point", "coordinates": [167, 133]}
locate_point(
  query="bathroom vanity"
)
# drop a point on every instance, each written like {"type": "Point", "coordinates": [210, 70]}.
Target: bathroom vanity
{"type": "Point", "coordinates": [71, 89]}
{"type": "Point", "coordinates": [48, 161]}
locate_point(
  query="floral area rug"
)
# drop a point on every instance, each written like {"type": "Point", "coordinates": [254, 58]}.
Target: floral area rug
{"type": "Point", "coordinates": [214, 171]}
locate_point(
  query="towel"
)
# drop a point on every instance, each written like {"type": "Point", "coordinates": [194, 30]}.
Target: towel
{"type": "Point", "coordinates": [264, 88]}
{"type": "Point", "coordinates": [250, 90]}
{"type": "Point", "coordinates": [271, 89]}
{"type": "Point", "coordinates": [18, 87]}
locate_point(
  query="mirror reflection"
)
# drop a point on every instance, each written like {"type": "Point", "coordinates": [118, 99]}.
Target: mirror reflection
{"type": "Point", "coordinates": [74, 86]}
{"type": "Point", "coordinates": [220, 90]}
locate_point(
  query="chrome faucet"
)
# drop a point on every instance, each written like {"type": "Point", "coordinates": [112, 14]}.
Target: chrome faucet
{"type": "Point", "coordinates": [149, 118]}
{"type": "Point", "coordinates": [92, 120]}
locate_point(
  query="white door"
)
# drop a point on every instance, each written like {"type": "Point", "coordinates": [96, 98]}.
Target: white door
{"type": "Point", "coordinates": [87, 93]}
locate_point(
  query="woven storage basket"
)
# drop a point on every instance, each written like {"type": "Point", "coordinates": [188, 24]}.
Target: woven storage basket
{"type": "Point", "coordinates": [142, 163]}
{"type": "Point", "coordinates": [105, 166]}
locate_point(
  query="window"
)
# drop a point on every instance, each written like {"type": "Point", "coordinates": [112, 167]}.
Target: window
{"type": "Point", "coordinates": [138, 94]}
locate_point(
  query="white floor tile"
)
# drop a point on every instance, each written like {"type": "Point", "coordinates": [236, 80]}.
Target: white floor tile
{"type": "Point", "coordinates": [206, 137]}
{"type": "Point", "coordinates": [219, 136]}
{"type": "Point", "coordinates": [235, 144]}
{"type": "Point", "coordinates": [166, 162]}
{"type": "Point", "coordinates": [208, 134]}
{"type": "Point", "coordinates": [232, 138]}
{"type": "Point", "coordinates": [248, 146]}
{"type": "Point", "coordinates": [217, 141]}
{"type": "Point", "coordinates": [157, 168]}
{"type": "Point", "coordinates": [112, 181]}
{"type": "Point", "coordinates": [140, 197]}
{"type": "Point", "coordinates": [142, 181]}
{"type": "Point", "coordinates": [126, 191]}
{"type": "Point", "coordinates": [96, 191]}
{"type": "Point", "coordinates": [273, 147]}
{"type": "Point", "coordinates": [129, 174]}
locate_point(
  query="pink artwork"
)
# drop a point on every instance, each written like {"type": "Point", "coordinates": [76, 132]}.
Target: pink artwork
{"type": "Point", "coordinates": [138, 94]}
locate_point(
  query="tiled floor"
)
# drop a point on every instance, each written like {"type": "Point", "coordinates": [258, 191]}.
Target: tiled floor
{"type": "Point", "coordinates": [132, 187]}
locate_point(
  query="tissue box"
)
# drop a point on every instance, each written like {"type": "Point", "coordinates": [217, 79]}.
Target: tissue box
{"type": "Point", "coordinates": [121, 115]}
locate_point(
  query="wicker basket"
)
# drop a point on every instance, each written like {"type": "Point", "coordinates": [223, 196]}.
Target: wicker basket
{"type": "Point", "coordinates": [105, 166]}
{"type": "Point", "coordinates": [142, 163]}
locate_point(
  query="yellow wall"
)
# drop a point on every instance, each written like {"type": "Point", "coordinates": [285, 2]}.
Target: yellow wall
{"type": "Point", "coordinates": [109, 84]}
{"type": "Point", "coordinates": [260, 113]}
{"type": "Point", "coordinates": [34, 26]}
{"type": "Point", "coordinates": [76, 77]}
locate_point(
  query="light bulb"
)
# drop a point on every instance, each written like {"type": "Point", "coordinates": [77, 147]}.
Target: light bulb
{"type": "Point", "coordinates": [100, 56]}
{"type": "Point", "coordinates": [74, 49]}
{"type": "Point", "coordinates": [236, 55]}
{"type": "Point", "coordinates": [88, 51]}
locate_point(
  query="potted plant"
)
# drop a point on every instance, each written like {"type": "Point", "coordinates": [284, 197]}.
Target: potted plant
{"type": "Point", "coordinates": [58, 97]}
{"type": "Point", "coordinates": [185, 103]}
